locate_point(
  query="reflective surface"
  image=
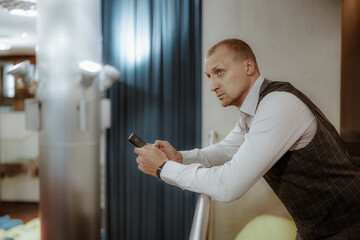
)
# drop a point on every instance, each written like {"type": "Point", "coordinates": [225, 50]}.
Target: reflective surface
{"type": "Point", "coordinates": [68, 33]}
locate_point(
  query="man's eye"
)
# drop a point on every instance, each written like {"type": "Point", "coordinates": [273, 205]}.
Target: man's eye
{"type": "Point", "coordinates": [219, 72]}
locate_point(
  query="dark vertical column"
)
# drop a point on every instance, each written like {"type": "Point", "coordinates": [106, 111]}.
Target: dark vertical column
{"type": "Point", "coordinates": [350, 76]}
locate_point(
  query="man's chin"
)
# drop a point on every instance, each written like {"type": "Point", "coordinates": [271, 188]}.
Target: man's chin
{"type": "Point", "coordinates": [224, 104]}
{"type": "Point", "coordinates": [227, 103]}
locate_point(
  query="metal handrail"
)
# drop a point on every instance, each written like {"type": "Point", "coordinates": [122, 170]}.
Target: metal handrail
{"type": "Point", "coordinates": [201, 221]}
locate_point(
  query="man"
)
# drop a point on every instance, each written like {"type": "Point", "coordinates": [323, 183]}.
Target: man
{"type": "Point", "coordinates": [281, 136]}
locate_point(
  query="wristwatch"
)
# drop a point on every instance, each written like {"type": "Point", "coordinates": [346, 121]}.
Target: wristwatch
{"type": "Point", "coordinates": [158, 171]}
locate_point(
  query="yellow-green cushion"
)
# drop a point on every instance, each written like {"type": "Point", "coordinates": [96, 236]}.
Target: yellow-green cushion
{"type": "Point", "coordinates": [268, 227]}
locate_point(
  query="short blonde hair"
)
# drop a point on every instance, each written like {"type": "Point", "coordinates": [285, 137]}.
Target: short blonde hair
{"type": "Point", "coordinates": [239, 48]}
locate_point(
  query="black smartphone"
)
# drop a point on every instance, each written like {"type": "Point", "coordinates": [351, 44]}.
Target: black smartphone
{"type": "Point", "coordinates": [138, 142]}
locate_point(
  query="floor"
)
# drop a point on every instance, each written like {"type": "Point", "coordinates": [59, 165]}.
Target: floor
{"type": "Point", "coordinates": [19, 210]}
{"type": "Point", "coordinates": [28, 211]}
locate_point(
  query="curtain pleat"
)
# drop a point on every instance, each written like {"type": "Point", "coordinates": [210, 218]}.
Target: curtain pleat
{"type": "Point", "coordinates": [156, 44]}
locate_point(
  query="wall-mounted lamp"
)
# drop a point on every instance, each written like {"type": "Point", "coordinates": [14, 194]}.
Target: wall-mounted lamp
{"type": "Point", "coordinates": [106, 75]}
{"type": "Point", "coordinates": [24, 71]}
{"type": "Point", "coordinates": [90, 70]}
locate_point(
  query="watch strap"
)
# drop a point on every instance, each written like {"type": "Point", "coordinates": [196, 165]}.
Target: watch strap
{"type": "Point", "coordinates": [158, 171]}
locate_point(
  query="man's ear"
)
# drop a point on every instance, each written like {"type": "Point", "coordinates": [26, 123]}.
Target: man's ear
{"type": "Point", "coordinates": [250, 66]}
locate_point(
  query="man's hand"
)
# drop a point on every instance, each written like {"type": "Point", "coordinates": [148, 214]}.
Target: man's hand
{"type": "Point", "coordinates": [169, 150]}
{"type": "Point", "coordinates": [150, 159]}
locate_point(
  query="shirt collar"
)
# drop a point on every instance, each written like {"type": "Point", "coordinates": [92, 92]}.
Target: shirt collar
{"type": "Point", "coordinates": [251, 100]}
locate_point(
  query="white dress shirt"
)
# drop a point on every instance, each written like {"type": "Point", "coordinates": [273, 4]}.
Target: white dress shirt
{"type": "Point", "coordinates": [226, 170]}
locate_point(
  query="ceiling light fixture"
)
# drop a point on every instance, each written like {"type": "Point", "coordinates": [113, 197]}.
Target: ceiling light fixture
{"type": "Point", "coordinates": [20, 7]}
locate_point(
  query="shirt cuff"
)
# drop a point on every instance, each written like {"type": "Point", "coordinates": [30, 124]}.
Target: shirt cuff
{"type": "Point", "coordinates": [169, 171]}
{"type": "Point", "coordinates": [190, 157]}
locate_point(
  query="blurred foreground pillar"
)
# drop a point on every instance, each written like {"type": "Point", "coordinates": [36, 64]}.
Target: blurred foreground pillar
{"type": "Point", "coordinates": [68, 33]}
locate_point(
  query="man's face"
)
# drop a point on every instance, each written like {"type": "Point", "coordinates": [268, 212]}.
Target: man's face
{"type": "Point", "coordinates": [228, 77]}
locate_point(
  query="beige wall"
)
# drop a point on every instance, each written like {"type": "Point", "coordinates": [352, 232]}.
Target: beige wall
{"type": "Point", "coordinates": [18, 146]}
{"type": "Point", "coordinates": [294, 41]}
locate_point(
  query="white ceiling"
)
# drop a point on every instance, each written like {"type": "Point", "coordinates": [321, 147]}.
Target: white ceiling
{"type": "Point", "coordinates": [19, 32]}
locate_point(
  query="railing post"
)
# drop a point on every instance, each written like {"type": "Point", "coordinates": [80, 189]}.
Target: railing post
{"type": "Point", "coordinates": [201, 222]}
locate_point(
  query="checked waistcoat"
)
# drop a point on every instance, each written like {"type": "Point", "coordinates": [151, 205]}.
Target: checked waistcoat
{"type": "Point", "coordinates": [318, 184]}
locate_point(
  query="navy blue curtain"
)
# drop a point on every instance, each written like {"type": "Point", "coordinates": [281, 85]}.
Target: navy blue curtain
{"type": "Point", "coordinates": [156, 44]}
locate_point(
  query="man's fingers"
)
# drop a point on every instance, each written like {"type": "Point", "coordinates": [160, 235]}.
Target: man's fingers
{"type": "Point", "coordinates": [147, 147]}
{"type": "Point", "coordinates": [138, 160]}
{"type": "Point", "coordinates": [159, 143]}
{"type": "Point", "coordinates": [138, 151]}
{"type": "Point", "coordinates": [141, 168]}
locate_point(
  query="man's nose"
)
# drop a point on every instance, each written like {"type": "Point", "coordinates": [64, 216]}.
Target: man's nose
{"type": "Point", "coordinates": [214, 85]}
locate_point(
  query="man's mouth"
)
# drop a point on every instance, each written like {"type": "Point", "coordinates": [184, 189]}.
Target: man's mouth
{"type": "Point", "coordinates": [220, 95]}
